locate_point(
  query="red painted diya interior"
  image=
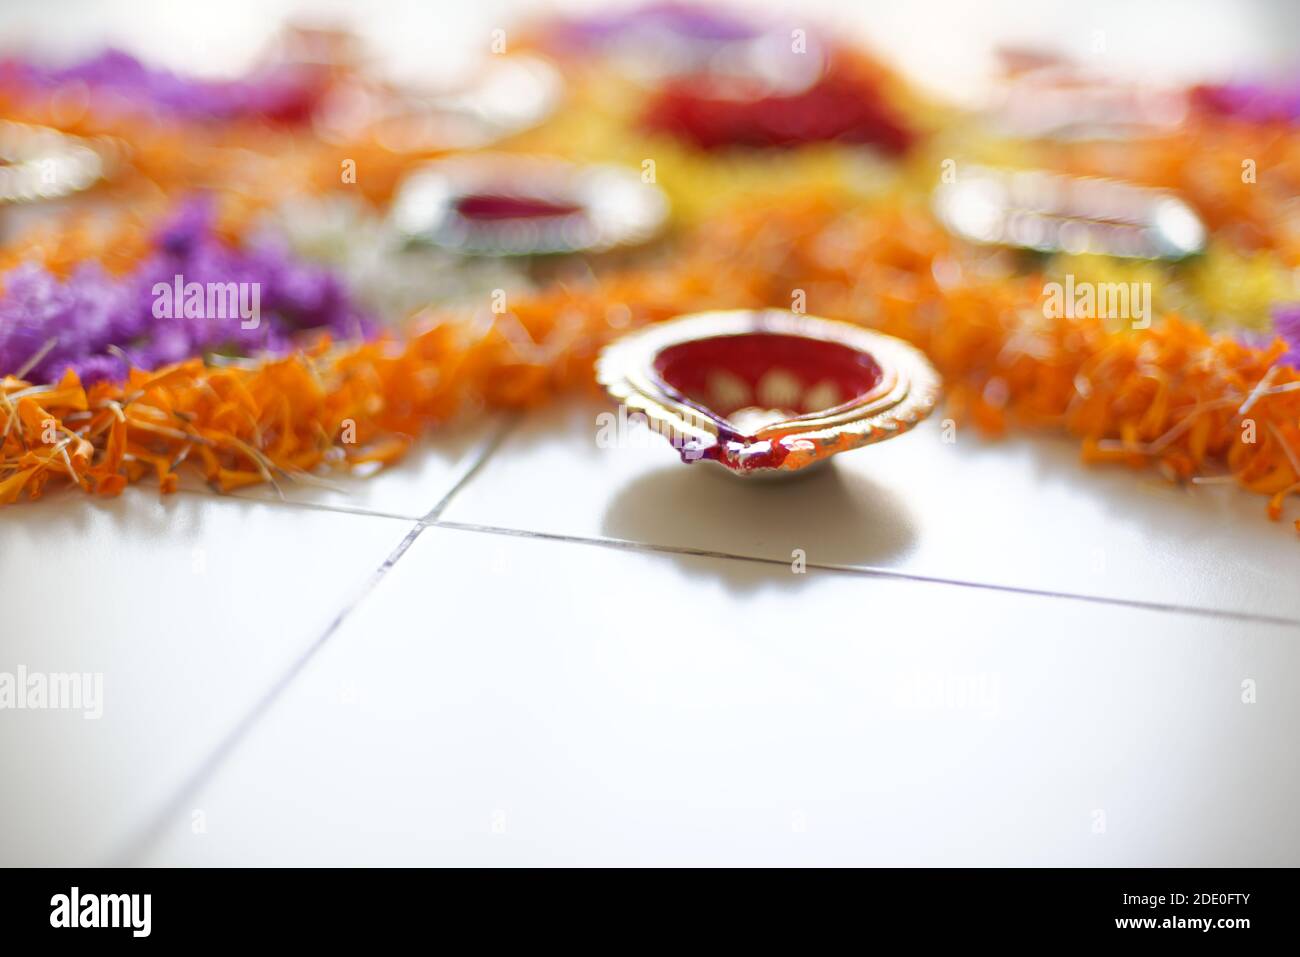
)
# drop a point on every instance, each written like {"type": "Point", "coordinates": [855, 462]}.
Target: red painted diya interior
{"type": "Point", "coordinates": [495, 207]}
{"type": "Point", "coordinates": [748, 381]}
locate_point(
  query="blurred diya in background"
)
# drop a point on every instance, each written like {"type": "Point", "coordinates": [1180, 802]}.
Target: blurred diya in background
{"type": "Point", "coordinates": [509, 205]}
{"type": "Point", "coordinates": [466, 228]}
{"type": "Point", "coordinates": [38, 163]}
{"type": "Point", "coordinates": [1101, 232]}
{"type": "Point", "coordinates": [1042, 96]}
{"type": "Point", "coordinates": [505, 96]}
{"type": "Point", "coordinates": [41, 168]}
{"type": "Point", "coordinates": [769, 392]}
{"type": "Point", "coordinates": [1052, 212]}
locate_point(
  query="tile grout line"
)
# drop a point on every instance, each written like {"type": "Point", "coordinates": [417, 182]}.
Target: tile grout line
{"type": "Point", "coordinates": [131, 852]}
{"type": "Point", "coordinates": [289, 503]}
{"type": "Point", "coordinates": [871, 572]}
{"type": "Point", "coordinates": [486, 452]}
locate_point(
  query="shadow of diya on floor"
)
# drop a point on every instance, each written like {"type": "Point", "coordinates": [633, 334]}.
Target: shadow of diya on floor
{"type": "Point", "coordinates": [822, 517]}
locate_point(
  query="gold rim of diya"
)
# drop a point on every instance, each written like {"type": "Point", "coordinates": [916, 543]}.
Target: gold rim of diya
{"type": "Point", "coordinates": [900, 388]}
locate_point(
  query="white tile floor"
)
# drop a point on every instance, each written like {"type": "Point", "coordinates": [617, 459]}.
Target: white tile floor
{"type": "Point", "coordinates": [1019, 514]}
{"type": "Point", "coordinates": [587, 655]}
{"type": "Point", "coordinates": [192, 609]}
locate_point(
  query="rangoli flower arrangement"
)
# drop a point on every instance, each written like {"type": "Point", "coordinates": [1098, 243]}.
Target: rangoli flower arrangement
{"type": "Point", "coordinates": [752, 168]}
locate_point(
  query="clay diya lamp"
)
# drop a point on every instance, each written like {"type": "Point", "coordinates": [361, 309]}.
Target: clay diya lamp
{"type": "Point", "coordinates": [38, 164]}
{"type": "Point", "coordinates": [1050, 212]}
{"type": "Point", "coordinates": [768, 393]}
{"type": "Point", "coordinates": [1042, 96]}
{"type": "Point", "coordinates": [510, 205]}
{"type": "Point", "coordinates": [502, 97]}
{"type": "Point", "coordinates": [42, 168]}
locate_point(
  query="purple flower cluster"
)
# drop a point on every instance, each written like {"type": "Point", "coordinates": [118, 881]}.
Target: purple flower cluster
{"type": "Point", "coordinates": [655, 23]}
{"type": "Point", "coordinates": [284, 94]}
{"type": "Point", "coordinates": [1256, 102]}
{"type": "Point", "coordinates": [1286, 326]}
{"type": "Point", "coordinates": [95, 322]}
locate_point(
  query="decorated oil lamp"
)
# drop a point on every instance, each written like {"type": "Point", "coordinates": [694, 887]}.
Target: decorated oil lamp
{"type": "Point", "coordinates": [462, 228]}
{"type": "Point", "coordinates": [768, 393]}
{"type": "Point", "coordinates": [505, 96]}
{"type": "Point", "coordinates": [42, 167]}
{"type": "Point", "coordinates": [1052, 212]}
{"type": "Point", "coordinates": [1045, 97]}
{"type": "Point", "coordinates": [40, 164]}
{"type": "Point", "coordinates": [508, 205]}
